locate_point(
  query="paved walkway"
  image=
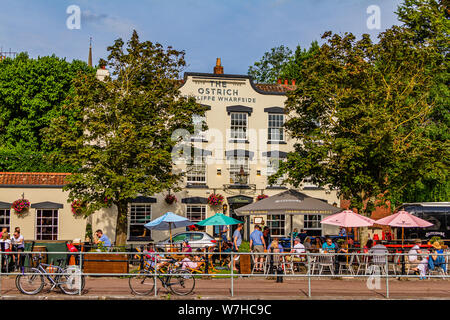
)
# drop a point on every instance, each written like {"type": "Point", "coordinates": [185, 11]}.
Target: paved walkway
{"type": "Point", "coordinates": [252, 288]}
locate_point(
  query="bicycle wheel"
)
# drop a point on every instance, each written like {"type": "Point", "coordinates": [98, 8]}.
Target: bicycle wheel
{"type": "Point", "coordinates": [142, 284]}
{"type": "Point", "coordinates": [182, 283]}
{"type": "Point", "coordinates": [30, 283]}
{"type": "Point", "coordinates": [70, 282]}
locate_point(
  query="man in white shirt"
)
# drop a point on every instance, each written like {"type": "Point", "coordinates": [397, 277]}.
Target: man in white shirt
{"type": "Point", "coordinates": [298, 249]}
{"type": "Point", "coordinates": [412, 255]}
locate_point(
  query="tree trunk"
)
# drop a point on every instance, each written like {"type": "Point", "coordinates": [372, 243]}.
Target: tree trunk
{"type": "Point", "coordinates": [121, 225]}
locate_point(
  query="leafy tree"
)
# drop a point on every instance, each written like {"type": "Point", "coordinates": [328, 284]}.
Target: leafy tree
{"type": "Point", "coordinates": [123, 143]}
{"type": "Point", "coordinates": [361, 112]}
{"type": "Point", "coordinates": [428, 20]}
{"type": "Point", "coordinates": [268, 69]}
{"type": "Point", "coordinates": [281, 63]}
{"type": "Point", "coordinates": [291, 69]}
{"type": "Point", "coordinates": [31, 94]}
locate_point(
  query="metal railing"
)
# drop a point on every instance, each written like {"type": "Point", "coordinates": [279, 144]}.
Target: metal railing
{"type": "Point", "coordinates": [376, 265]}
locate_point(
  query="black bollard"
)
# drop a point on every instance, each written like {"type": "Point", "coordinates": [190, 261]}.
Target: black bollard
{"type": "Point", "coordinates": [279, 273]}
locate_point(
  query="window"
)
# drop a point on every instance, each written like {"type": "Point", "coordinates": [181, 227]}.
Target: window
{"type": "Point", "coordinates": [239, 126]}
{"type": "Point", "coordinates": [196, 171]}
{"type": "Point", "coordinates": [47, 224]}
{"type": "Point", "coordinates": [276, 224]}
{"type": "Point", "coordinates": [275, 132]}
{"type": "Point", "coordinates": [308, 183]}
{"type": "Point", "coordinates": [272, 167]}
{"type": "Point", "coordinates": [196, 213]}
{"type": "Point", "coordinates": [140, 214]}
{"type": "Point", "coordinates": [4, 218]}
{"type": "Point", "coordinates": [198, 121]}
{"type": "Point", "coordinates": [235, 165]}
{"type": "Point", "coordinates": [312, 224]}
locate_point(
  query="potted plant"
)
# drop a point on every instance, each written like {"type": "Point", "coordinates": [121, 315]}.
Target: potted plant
{"type": "Point", "coordinates": [170, 198]}
{"type": "Point", "coordinates": [77, 207]}
{"type": "Point", "coordinates": [215, 199]}
{"type": "Point", "coordinates": [261, 196]}
{"type": "Point", "coordinates": [20, 206]}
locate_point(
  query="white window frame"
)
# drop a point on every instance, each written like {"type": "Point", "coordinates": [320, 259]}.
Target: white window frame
{"type": "Point", "coordinates": [270, 219]}
{"type": "Point", "coordinates": [275, 124]}
{"type": "Point", "coordinates": [197, 121]}
{"type": "Point", "coordinates": [189, 208]}
{"type": "Point", "coordinates": [239, 131]}
{"type": "Point", "coordinates": [196, 171]}
{"type": "Point", "coordinates": [317, 219]}
{"type": "Point", "coordinates": [270, 171]}
{"type": "Point", "coordinates": [138, 204]}
{"type": "Point", "coordinates": [234, 167]}
{"type": "Point", "coordinates": [5, 214]}
{"type": "Point", "coordinates": [39, 235]}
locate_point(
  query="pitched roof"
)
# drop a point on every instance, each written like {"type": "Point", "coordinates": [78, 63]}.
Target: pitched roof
{"type": "Point", "coordinates": [268, 87]}
{"type": "Point", "coordinates": [32, 178]}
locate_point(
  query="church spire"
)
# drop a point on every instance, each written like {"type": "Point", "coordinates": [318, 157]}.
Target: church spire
{"type": "Point", "coordinates": [90, 52]}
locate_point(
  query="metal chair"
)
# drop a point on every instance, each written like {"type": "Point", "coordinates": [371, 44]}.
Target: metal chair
{"type": "Point", "coordinates": [378, 261]}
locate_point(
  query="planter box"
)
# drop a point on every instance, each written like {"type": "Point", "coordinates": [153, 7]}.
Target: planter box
{"type": "Point", "coordinates": [105, 263]}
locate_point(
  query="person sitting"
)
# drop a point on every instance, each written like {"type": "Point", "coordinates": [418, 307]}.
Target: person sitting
{"type": "Point", "coordinates": [102, 238]}
{"type": "Point", "coordinates": [185, 246]}
{"type": "Point", "coordinates": [317, 243]}
{"type": "Point", "coordinates": [437, 259]}
{"type": "Point", "coordinates": [329, 246]}
{"type": "Point", "coordinates": [412, 256]}
{"type": "Point", "coordinates": [194, 263]}
{"type": "Point", "coordinates": [299, 248]}
{"type": "Point", "coordinates": [343, 249]}
{"type": "Point", "coordinates": [302, 235]}
{"type": "Point", "coordinates": [307, 244]}
{"type": "Point", "coordinates": [276, 247]}
{"type": "Point", "coordinates": [368, 246]}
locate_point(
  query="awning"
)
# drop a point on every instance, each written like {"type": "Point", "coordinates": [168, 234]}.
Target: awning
{"type": "Point", "coordinates": [289, 202]}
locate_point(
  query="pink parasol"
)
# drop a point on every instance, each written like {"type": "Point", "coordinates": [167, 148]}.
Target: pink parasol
{"type": "Point", "coordinates": [348, 219]}
{"type": "Point", "coordinates": [404, 219]}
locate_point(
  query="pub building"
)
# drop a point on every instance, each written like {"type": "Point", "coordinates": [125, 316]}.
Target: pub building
{"type": "Point", "coordinates": [242, 147]}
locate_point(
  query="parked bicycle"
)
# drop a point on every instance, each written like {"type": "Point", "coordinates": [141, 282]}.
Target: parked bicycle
{"type": "Point", "coordinates": [68, 279]}
{"type": "Point", "coordinates": [181, 282]}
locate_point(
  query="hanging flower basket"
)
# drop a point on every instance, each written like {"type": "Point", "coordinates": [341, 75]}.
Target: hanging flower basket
{"type": "Point", "coordinates": [170, 198]}
{"type": "Point", "coordinates": [77, 207]}
{"type": "Point", "coordinates": [21, 206]}
{"type": "Point", "coordinates": [261, 196]}
{"type": "Point", "coordinates": [215, 199]}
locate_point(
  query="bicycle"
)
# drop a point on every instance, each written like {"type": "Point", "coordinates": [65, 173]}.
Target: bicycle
{"type": "Point", "coordinates": [181, 282]}
{"type": "Point", "coordinates": [65, 278]}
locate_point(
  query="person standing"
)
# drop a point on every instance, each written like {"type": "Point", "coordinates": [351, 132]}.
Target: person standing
{"type": "Point", "coordinates": [302, 235]}
{"type": "Point", "coordinates": [237, 240]}
{"type": "Point", "coordinates": [18, 245]}
{"type": "Point", "coordinates": [266, 235]}
{"type": "Point", "coordinates": [257, 244]}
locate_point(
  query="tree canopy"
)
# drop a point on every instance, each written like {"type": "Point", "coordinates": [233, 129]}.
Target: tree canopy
{"type": "Point", "coordinates": [281, 63]}
{"type": "Point", "coordinates": [122, 143]}
{"type": "Point", "coordinates": [362, 112]}
{"type": "Point", "coordinates": [31, 94]}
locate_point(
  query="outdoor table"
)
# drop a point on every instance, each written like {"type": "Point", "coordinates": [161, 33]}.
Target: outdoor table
{"type": "Point", "coordinates": [401, 249]}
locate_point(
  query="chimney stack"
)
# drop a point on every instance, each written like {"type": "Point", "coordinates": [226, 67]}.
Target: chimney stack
{"type": "Point", "coordinates": [218, 69]}
{"type": "Point", "coordinates": [293, 82]}
{"type": "Point", "coordinates": [286, 82]}
{"type": "Point", "coordinates": [279, 81]}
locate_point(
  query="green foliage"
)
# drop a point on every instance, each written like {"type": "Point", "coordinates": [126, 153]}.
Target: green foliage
{"type": "Point", "coordinates": [281, 63]}
{"type": "Point", "coordinates": [123, 143]}
{"type": "Point", "coordinates": [31, 94]}
{"type": "Point", "coordinates": [363, 111]}
{"type": "Point", "coordinates": [268, 69]}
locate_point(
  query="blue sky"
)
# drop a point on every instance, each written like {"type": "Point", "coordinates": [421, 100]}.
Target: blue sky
{"type": "Point", "coordinates": [237, 31]}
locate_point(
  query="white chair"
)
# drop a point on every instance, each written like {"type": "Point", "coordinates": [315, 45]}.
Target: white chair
{"type": "Point", "coordinates": [378, 263]}
{"type": "Point", "coordinates": [326, 261]}
{"type": "Point", "coordinates": [347, 265]}
{"type": "Point", "coordinates": [363, 263]}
